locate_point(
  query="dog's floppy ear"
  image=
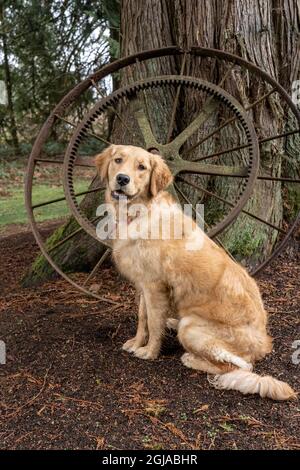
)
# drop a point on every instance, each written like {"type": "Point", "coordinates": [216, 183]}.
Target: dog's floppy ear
{"type": "Point", "coordinates": [102, 161]}
{"type": "Point", "coordinates": [161, 176]}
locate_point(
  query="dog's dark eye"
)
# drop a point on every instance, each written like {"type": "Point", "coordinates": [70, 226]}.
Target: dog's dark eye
{"type": "Point", "coordinates": [141, 167]}
{"type": "Point", "coordinates": [118, 160]}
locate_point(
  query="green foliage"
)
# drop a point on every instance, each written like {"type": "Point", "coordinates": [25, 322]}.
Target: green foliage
{"type": "Point", "coordinates": [114, 48]}
{"type": "Point", "coordinates": [53, 147]}
{"type": "Point", "coordinates": [111, 12]}
{"type": "Point", "coordinates": [291, 201]}
{"type": "Point", "coordinates": [51, 47]}
{"type": "Point", "coordinates": [7, 151]}
{"type": "Point", "coordinates": [246, 243]}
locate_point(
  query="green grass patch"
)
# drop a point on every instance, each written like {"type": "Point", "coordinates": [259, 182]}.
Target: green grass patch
{"type": "Point", "coordinates": [12, 206]}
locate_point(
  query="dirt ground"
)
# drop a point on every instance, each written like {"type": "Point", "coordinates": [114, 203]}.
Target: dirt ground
{"type": "Point", "coordinates": [68, 384]}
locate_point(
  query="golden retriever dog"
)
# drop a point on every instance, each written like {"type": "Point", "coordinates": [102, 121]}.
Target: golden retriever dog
{"type": "Point", "coordinates": [213, 303]}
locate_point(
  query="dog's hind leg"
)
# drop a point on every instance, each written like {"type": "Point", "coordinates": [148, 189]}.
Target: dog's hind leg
{"type": "Point", "coordinates": [205, 343]}
{"type": "Point", "coordinates": [235, 373]}
{"type": "Point", "coordinates": [172, 324]}
{"type": "Point", "coordinates": [198, 363]}
{"type": "Point", "coordinates": [140, 339]}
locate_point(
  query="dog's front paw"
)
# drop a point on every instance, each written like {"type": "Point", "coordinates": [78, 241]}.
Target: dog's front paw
{"type": "Point", "coordinates": [146, 353]}
{"type": "Point", "coordinates": [130, 345]}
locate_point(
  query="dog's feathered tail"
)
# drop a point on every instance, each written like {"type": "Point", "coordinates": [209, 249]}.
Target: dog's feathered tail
{"type": "Point", "coordinates": [249, 382]}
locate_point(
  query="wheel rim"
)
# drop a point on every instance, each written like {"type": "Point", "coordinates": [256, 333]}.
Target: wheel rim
{"type": "Point", "coordinates": [72, 96]}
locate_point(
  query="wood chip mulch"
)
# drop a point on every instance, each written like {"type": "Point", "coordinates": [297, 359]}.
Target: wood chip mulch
{"type": "Point", "coordinates": [68, 385]}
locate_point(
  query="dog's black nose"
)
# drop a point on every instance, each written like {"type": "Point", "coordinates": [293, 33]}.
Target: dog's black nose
{"type": "Point", "coordinates": [122, 180]}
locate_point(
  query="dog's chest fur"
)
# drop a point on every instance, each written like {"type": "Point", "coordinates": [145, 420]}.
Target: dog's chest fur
{"type": "Point", "coordinates": [138, 260]}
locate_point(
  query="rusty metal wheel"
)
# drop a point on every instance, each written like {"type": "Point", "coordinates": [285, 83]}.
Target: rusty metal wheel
{"type": "Point", "coordinates": [244, 169]}
{"type": "Point", "coordinates": [193, 166]}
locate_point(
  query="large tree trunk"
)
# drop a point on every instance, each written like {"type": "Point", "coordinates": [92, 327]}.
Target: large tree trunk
{"type": "Point", "coordinates": [254, 38]}
{"type": "Point", "coordinates": [262, 31]}
{"type": "Point", "coordinates": [287, 27]}
{"type": "Point", "coordinates": [266, 33]}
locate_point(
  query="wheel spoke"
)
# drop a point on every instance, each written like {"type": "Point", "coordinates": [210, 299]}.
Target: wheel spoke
{"type": "Point", "coordinates": [97, 266]}
{"type": "Point", "coordinates": [222, 152]}
{"type": "Point", "coordinates": [188, 201]}
{"type": "Point", "coordinates": [250, 214]}
{"type": "Point", "coordinates": [144, 126]}
{"type": "Point", "coordinates": [71, 235]}
{"type": "Point", "coordinates": [227, 122]}
{"type": "Point", "coordinates": [90, 134]}
{"type": "Point", "coordinates": [81, 160]}
{"type": "Point", "coordinates": [274, 178]}
{"type": "Point", "coordinates": [208, 136]}
{"type": "Point", "coordinates": [262, 98]}
{"type": "Point", "coordinates": [130, 131]}
{"type": "Point", "coordinates": [240, 147]}
{"type": "Point", "coordinates": [207, 110]}
{"type": "Point", "coordinates": [172, 120]}
{"type": "Point", "coordinates": [226, 75]}
{"type": "Point", "coordinates": [205, 223]}
{"type": "Point", "coordinates": [59, 199]}
{"type": "Point", "coordinates": [185, 166]}
{"type": "Point", "coordinates": [278, 136]}
{"type": "Point", "coordinates": [142, 75]}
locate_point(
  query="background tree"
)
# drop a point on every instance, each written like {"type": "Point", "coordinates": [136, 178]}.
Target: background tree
{"type": "Point", "coordinates": [8, 83]}
{"type": "Point", "coordinates": [72, 256]}
{"type": "Point", "coordinates": [47, 48]}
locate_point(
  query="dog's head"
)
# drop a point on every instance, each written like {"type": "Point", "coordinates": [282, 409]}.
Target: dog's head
{"type": "Point", "coordinates": [130, 172]}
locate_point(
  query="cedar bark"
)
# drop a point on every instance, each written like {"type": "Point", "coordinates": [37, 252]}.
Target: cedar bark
{"type": "Point", "coordinates": [266, 32]}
